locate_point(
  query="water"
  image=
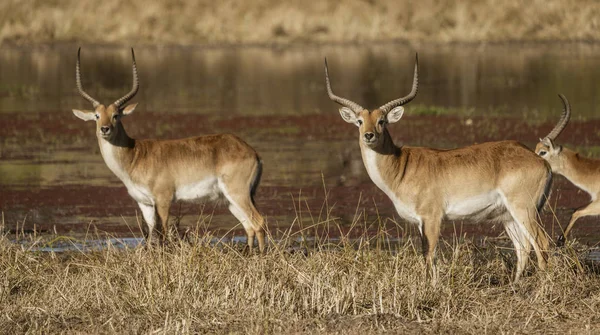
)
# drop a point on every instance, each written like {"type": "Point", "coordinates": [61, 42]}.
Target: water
{"type": "Point", "coordinates": [294, 245]}
{"type": "Point", "coordinates": [52, 176]}
{"type": "Point", "coordinates": [262, 81]}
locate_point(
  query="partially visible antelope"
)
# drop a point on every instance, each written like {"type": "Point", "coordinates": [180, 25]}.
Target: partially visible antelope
{"type": "Point", "coordinates": [157, 172]}
{"type": "Point", "coordinates": [502, 181]}
{"type": "Point", "coordinates": [582, 171]}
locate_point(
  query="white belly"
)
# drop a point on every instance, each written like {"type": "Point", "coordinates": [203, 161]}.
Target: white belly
{"type": "Point", "coordinates": [207, 188]}
{"type": "Point", "coordinates": [479, 205]}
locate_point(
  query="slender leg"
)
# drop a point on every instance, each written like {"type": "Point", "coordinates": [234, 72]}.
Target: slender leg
{"type": "Point", "coordinates": [521, 244]}
{"type": "Point", "coordinates": [241, 216]}
{"type": "Point", "coordinates": [429, 239]}
{"type": "Point", "coordinates": [252, 221]}
{"type": "Point", "coordinates": [149, 215]}
{"type": "Point", "coordinates": [523, 214]}
{"type": "Point", "coordinates": [260, 236]}
{"type": "Point", "coordinates": [241, 206]}
{"type": "Point", "coordinates": [590, 209]}
{"type": "Point", "coordinates": [541, 242]}
{"type": "Point", "coordinates": [162, 208]}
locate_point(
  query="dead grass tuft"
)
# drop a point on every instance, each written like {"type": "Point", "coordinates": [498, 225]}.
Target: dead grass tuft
{"type": "Point", "coordinates": [366, 284]}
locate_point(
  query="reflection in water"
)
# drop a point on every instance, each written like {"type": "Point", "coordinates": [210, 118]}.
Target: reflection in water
{"type": "Point", "coordinates": [260, 81]}
{"type": "Point", "coordinates": [276, 101]}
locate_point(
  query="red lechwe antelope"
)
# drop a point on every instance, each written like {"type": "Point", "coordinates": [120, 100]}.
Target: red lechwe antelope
{"type": "Point", "coordinates": [581, 171]}
{"type": "Point", "coordinates": [502, 181]}
{"type": "Point", "coordinates": [157, 172]}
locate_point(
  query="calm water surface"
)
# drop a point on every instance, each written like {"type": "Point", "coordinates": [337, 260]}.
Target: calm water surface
{"type": "Point", "coordinates": [52, 175]}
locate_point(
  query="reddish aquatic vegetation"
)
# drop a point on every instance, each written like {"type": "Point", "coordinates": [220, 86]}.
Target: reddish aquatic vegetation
{"type": "Point", "coordinates": [448, 130]}
{"type": "Point", "coordinates": [71, 207]}
{"type": "Point", "coordinates": [63, 208]}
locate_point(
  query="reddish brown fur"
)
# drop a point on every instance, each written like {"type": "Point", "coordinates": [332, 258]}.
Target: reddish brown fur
{"type": "Point", "coordinates": [582, 171]}
{"type": "Point", "coordinates": [154, 171]}
{"type": "Point", "coordinates": [502, 180]}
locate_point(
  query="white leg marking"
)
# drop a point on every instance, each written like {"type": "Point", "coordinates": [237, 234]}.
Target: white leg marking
{"type": "Point", "coordinates": [519, 222]}
{"type": "Point", "coordinates": [524, 231]}
{"type": "Point", "coordinates": [235, 209]}
{"type": "Point", "coordinates": [521, 249]}
{"type": "Point", "coordinates": [149, 215]}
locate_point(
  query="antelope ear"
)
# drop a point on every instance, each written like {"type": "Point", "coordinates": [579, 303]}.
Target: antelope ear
{"type": "Point", "coordinates": [129, 109]}
{"type": "Point", "coordinates": [85, 115]}
{"type": "Point", "coordinates": [348, 115]}
{"type": "Point", "coordinates": [395, 114]}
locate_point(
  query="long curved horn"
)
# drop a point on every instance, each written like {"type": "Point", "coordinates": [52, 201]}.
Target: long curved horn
{"type": "Point", "coordinates": [136, 85]}
{"type": "Point", "coordinates": [344, 102]}
{"type": "Point", "coordinates": [86, 96]}
{"type": "Point", "coordinates": [413, 92]}
{"type": "Point", "coordinates": [564, 119]}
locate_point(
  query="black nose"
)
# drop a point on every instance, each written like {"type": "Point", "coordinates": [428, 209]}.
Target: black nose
{"type": "Point", "coordinates": [369, 136]}
{"type": "Point", "coordinates": [104, 129]}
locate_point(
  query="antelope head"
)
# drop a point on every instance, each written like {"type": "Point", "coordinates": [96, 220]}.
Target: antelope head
{"type": "Point", "coordinates": [546, 147]}
{"type": "Point", "coordinates": [108, 119]}
{"type": "Point", "coordinates": [372, 124]}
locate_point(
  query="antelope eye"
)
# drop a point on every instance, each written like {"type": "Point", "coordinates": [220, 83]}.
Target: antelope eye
{"type": "Point", "coordinates": [360, 122]}
{"type": "Point", "coordinates": [97, 116]}
{"type": "Point", "coordinates": [115, 117]}
{"type": "Point", "coordinates": [543, 153]}
{"type": "Point", "coordinates": [381, 122]}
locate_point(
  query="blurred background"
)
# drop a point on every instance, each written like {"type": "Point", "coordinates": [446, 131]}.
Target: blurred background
{"type": "Point", "coordinates": [202, 22]}
{"type": "Point", "coordinates": [489, 70]}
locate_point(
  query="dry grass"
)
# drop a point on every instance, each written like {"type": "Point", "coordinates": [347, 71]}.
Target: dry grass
{"type": "Point", "coordinates": [269, 21]}
{"type": "Point", "coordinates": [355, 286]}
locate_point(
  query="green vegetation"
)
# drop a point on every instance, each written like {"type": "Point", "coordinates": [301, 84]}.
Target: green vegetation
{"type": "Point", "coordinates": [268, 21]}
{"type": "Point", "coordinates": [20, 91]}
{"type": "Point", "coordinates": [592, 151]}
{"type": "Point", "coordinates": [424, 110]}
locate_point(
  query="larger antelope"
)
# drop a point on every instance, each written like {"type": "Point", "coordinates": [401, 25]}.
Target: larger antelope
{"type": "Point", "coordinates": [157, 172]}
{"type": "Point", "coordinates": [582, 171]}
{"type": "Point", "coordinates": [504, 180]}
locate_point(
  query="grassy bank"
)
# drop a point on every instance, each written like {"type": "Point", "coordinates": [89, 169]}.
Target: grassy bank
{"type": "Point", "coordinates": [268, 21]}
{"type": "Point", "coordinates": [349, 287]}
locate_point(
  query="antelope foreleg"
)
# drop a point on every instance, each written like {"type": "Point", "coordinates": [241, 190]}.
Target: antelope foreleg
{"type": "Point", "coordinates": [588, 210]}
{"type": "Point", "coordinates": [429, 239]}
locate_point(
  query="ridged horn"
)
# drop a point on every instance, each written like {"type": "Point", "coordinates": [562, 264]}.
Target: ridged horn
{"type": "Point", "coordinates": [86, 96]}
{"type": "Point", "coordinates": [413, 93]}
{"type": "Point", "coordinates": [134, 89]}
{"type": "Point", "coordinates": [342, 101]}
{"type": "Point", "coordinates": [564, 119]}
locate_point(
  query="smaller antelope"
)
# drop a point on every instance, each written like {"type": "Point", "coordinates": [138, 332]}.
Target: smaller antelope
{"type": "Point", "coordinates": [502, 181]}
{"type": "Point", "coordinates": [582, 171]}
{"type": "Point", "coordinates": [157, 172]}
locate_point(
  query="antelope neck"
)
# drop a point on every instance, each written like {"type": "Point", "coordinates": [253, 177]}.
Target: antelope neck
{"type": "Point", "coordinates": [380, 159]}
{"type": "Point", "coordinates": [574, 168]}
{"type": "Point", "coordinates": [117, 150]}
